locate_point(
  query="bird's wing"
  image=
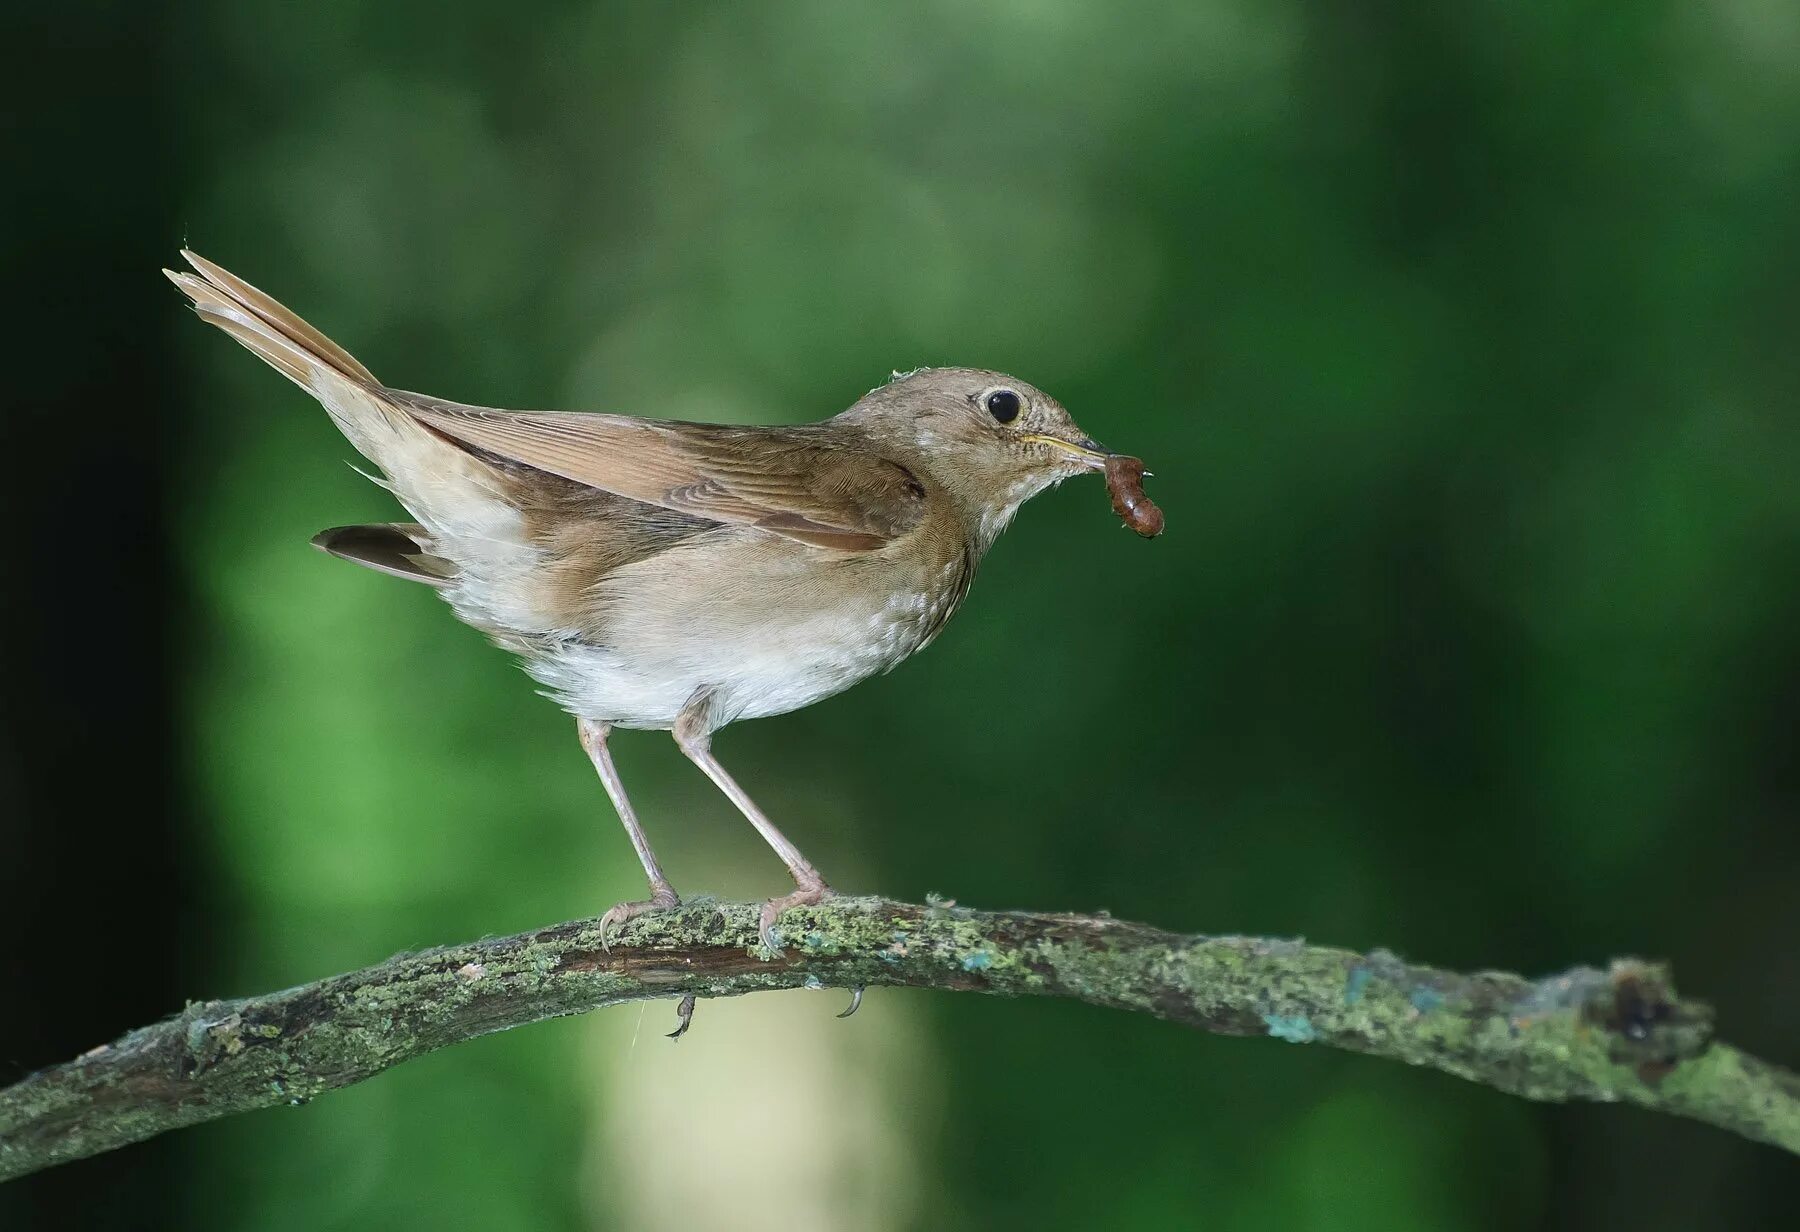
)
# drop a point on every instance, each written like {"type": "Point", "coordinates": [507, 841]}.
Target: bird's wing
{"type": "Point", "coordinates": [401, 549]}
{"type": "Point", "coordinates": [787, 481]}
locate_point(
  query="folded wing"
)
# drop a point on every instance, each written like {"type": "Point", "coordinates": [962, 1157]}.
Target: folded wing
{"type": "Point", "coordinates": [786, 481]}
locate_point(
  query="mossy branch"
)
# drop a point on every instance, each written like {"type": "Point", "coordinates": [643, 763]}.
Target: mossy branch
{"type": "Point", "coordinates": [1617, 1035]}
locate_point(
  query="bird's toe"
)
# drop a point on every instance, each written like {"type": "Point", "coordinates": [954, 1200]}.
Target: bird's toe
{"type": "Point", "coordinates": [803, 896]}
{"type": "Point", "coordinates": [661, 899]}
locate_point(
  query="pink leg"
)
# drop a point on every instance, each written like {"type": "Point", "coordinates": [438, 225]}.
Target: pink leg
{"type": "Point", "coordinates": [662, 894]}
{"type": "Point", "coordinates": [696, 741]}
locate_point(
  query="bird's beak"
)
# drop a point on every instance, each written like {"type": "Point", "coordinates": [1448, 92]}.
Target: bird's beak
{"type": "Point", "coordinates": [1088, 452]}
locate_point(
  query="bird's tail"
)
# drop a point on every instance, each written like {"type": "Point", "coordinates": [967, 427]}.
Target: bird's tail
{"type": "Point", "coordinates": [458, 499]}
{"type": "Point", "coordinates": [256, 319]}
{"type": "Point", "coordinates": [277, 335]}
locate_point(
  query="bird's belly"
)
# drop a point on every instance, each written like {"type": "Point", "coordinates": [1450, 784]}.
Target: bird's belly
{"type": "Point", "coordinates": [630, 691]}
{"type": "Point", "coordinates": [753, 651]}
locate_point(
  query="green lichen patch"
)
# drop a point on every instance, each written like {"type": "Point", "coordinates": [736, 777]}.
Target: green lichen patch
{"type": "Point", "coordinates": [1294, 1028]}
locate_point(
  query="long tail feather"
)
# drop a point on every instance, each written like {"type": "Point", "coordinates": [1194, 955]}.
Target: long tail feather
{"type": "Point", "coordinates": [357, 402]}
{"type": "Point", "coordinates": [468, 526]}
{"type": "Point", "coordinates": [231, 289]}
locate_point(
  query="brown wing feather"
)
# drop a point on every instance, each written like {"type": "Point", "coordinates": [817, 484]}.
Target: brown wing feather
{"type": "Point", "coordinates": [400, 549]}
{"type": "Point", "coordinates": [786, 481]}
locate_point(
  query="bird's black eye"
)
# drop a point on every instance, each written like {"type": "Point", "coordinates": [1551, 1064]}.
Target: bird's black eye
{"type": "Point", "coordinates": [1003, 405]}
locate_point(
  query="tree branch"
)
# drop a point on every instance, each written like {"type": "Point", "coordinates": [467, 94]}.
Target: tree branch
{"type": "Point", "coordinates": [1617, 1035]}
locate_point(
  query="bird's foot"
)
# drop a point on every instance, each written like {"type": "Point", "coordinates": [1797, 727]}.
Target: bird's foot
{"type": "Point", "coordinates": [804, 895]}
{"type": "Point", "coordinates": [662, 898]}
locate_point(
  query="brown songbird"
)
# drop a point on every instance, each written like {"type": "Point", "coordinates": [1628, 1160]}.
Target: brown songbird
{"type": "Point", "coordinates": [681, 576]}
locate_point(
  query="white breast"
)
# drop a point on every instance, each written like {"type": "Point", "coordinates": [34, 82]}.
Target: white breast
{"type": "Point", "coordinates": [758, 651]}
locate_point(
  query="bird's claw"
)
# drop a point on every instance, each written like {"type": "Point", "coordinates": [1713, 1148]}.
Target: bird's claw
{"type": "Point", "coordinates": [662, 898]}
{"type": "Point", "coordinates": [803, 896]}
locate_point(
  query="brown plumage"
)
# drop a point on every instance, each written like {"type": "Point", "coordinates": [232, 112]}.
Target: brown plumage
{"type": "Point", "coordinates": [680, 576]}
{"type": "Point", "coordinates": [400, 549]}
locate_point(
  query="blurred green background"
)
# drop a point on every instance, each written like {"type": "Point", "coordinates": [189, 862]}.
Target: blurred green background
{"type": "Point", "coordinates": [1460, 338]}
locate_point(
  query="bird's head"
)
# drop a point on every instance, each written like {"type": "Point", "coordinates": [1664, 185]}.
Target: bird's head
{"type": "Point", "coordinates": [990, 440]}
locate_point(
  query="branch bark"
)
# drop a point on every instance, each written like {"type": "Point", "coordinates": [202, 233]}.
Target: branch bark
{"type": "Point", "coordinates": [1616, 1035]}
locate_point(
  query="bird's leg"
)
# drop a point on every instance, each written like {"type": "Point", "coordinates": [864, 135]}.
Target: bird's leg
{"type": "Point", "coordinates": [695, 739]}
{"type": "Point", "coordinates": [662, 894]}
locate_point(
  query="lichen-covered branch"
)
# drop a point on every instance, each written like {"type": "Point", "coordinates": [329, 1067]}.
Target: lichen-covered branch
{"type": "Point", "coordinates": [1617, 1035]}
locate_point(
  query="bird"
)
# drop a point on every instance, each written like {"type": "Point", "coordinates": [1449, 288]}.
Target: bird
{"type": "Point", "coordinates": [673, 576]}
